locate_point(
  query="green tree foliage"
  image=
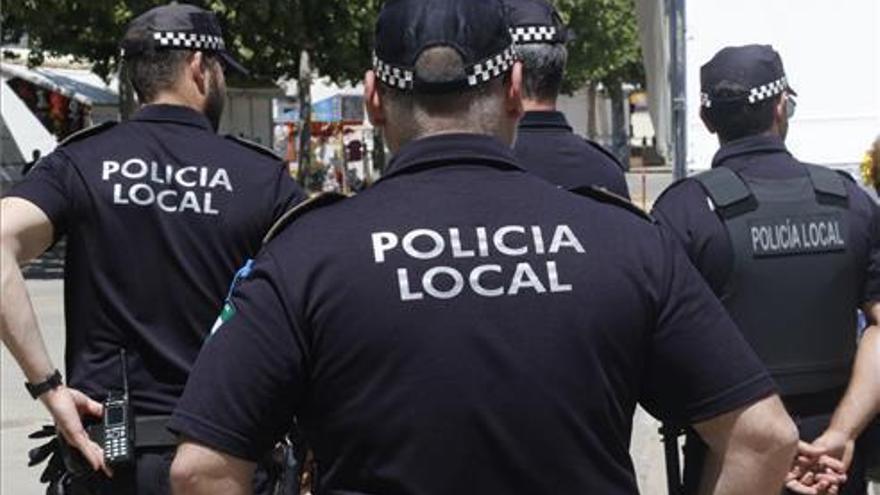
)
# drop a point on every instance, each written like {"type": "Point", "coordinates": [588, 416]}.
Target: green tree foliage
{"type": "Point", "coordinates": [267, 36]}
{"type": "Point", "coordinates": [606, 47]}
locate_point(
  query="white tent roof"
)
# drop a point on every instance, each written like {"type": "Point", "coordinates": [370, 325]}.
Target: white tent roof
{"type": "Point", "coordinates": [82, 85]}
{"type": "Point", "coordinates": [21, 128]}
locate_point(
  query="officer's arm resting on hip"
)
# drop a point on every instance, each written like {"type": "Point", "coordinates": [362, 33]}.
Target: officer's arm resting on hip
{"type": "Point", "coordinates": [751, 449]}
{"type": "Point", "coordinates": [25, 232]}
{"type": "Point", "coordinates": [198, 469]}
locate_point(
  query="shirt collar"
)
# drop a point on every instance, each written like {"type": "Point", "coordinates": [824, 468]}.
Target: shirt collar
{"type": "Point", "coordinates": [545, 120]}
{"type": "Point", "coordinates": [762, 144]}
{"type": "Point", "coordinates": [451, 149]}
{"type": "Point", "coordinates": [173, 113]}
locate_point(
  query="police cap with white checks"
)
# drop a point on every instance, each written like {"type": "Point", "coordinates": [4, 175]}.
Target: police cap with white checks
{"type": "Point", "coordinates": [477, 30]}
{"type": "Point", "coordinates": [743, 74]}
{"type": "Point", "coordinates": [177, 26]}
{"type": "Point", "coordinates": [535, 21]}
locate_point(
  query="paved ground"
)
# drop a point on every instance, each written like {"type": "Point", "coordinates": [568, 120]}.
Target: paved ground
{"type": "Point", "coordinates": [19, 414]}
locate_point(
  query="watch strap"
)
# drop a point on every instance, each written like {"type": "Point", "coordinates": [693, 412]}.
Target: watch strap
{"type": "Point", "coordinates": [38, 389]}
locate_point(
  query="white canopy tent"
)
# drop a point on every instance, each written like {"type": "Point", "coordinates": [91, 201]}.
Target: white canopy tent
{"type": "Point", "coordinates": [21, 131]}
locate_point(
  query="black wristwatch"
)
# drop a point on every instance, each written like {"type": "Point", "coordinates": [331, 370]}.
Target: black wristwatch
{"type": "Point", "coordinates": [38, 389]}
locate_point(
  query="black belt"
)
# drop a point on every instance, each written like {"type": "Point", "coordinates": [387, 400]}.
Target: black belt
{"type": "Point", "coordinates": [152, 431]}
{"type": "Point", "coordinates": [149, 432]}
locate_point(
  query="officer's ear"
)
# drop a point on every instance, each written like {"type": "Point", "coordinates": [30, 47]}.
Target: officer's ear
{"type": "Point", "coordinates": [199, 70]}
{"type": "Point", "coordinates": [780, 109]}
{"type": "Point", "coordinates": [704, 116]}
{"type": "Point", "coordinates": [513, 89]}
{"type": "Point", "coordinates": [373, 100]}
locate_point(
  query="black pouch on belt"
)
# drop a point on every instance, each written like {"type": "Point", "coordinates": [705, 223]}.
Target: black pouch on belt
{"type": "Point", "coordinates": [66, 463]}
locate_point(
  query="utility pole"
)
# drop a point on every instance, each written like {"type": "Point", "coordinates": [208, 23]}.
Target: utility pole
{"type": "Point", "coordinates": [678, 74]}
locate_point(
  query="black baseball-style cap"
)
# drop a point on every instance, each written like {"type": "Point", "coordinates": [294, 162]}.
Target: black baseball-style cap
{"type": "Point", "coordinates": [755, 69]}
{"type": "Point", "coordinates": [477, 30]}
{"type": "Point", "coordinates": [177, 26]}
{"type": "Point", "coordinates": [535, 21]}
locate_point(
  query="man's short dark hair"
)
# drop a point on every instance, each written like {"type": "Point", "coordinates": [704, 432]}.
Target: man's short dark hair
{"type": "Point", "coordinates": [151, 73]}
{"type": "Point", "coordinates": [154, 71]}
{"type": "Point", "coordinates": [475, 109]}
{"type": "Point", "coordinates": [740, 119]}
{"type": "Point", "coordinates": [543, 69]}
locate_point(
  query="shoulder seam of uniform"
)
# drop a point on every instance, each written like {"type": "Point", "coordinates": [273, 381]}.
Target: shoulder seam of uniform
{"type": "Point", "coordinates": [88, 131]}
{"type": "Point", "coordinates": [605, 196]}
{"type": "Point", "coordinates": [254, 146]}
{"type": "Point", "coordinates": [675, 184]}
{"type": "Point", "coordinates": [605, 151]}
{"type": "Point", "coordinates": [311, 204]}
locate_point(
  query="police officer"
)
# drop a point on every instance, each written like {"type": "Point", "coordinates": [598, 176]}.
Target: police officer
{"type": "Point", "coordinates": [546, 144]}
{"type": "Point", "coordinates": [791, 249]}
{"type": "Point", "coordinates": [463, 326]}
{"type": "Point", "coordinates": [158, 213]}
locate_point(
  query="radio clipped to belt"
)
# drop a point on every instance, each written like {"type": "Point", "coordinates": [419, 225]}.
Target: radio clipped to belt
{"type": "Point", "coordinates": [119, 433]}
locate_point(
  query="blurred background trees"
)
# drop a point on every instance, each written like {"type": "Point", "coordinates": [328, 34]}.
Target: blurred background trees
{"type": "Point", "coordinates": [295, 39]}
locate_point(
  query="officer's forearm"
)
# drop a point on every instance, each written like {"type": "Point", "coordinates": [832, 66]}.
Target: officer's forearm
{"type": "Point", "coordinates": [18, 323]}
{"type": "Point", "coordinates": [198, 470]}
{"type": "Point", "coordinates": [862, 400]}
{"type": "Point", "coordinates": [750, 450]}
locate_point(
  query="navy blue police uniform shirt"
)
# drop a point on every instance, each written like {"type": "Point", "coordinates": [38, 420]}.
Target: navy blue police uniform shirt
{"type": "Point", "coordinates": [464, 325]}
{"type": "Point", "coordinates": [686, 210]}
{"type": "Point", "coordinates": [547, 147]}
{"type": "Point", "coordinates": [158, 213]}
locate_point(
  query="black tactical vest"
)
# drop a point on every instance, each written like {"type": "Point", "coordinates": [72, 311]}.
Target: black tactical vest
{"type": "Point", "coordinates": [792, 288]}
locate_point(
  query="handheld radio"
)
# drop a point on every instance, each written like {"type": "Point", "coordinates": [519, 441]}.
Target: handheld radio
{"type": "Point", "coordinates": [118, 442]}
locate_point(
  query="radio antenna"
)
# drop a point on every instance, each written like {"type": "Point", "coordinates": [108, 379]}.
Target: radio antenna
{"type": "Point", "coordinates": [124, 363]}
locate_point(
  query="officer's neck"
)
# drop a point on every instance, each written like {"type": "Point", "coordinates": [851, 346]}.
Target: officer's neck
{"type": "Point", "coordinates": [774, 132]}
{"type": "Point", "coordinates": [530, 105]}
{"type": "Point", "coordinates": [176, 99]}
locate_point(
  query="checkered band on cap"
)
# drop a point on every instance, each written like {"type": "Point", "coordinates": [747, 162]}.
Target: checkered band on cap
{"type": "Point", "coordinates": [491, 68]}
{"type": "Point", "coordinates": [393, 76]}
{"type": "Point", "coordinates": [756, 95]}
{"type": "Point", "coordinates": [194, 41]}
{"type": "Point", "coordinates": [533, 34]}
{"type": "Point", "coordinates": [768, 90]}
{"type": "Point", "coordinates": [477, 74]}
{"type": "Point", "coordinates": [705, 100]}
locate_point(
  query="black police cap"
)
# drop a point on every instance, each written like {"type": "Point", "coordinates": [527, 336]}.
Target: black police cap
{"type": "Point", "coordinates": [740, 74]}
{"type": "Point", "coordinates": [477, 30]}
{"type": "Point", "coordinates": [177, 26]}
{"type": "Point", "coordinates": [535, 21]}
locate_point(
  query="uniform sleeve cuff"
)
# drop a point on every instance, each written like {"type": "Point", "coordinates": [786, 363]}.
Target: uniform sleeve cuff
{"type": "Point", "coordinates": [748, 392]}
{"type": "Point", "coordinates": [213, 436]}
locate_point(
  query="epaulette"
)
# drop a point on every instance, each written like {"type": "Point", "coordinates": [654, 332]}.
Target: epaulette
{"type": "Point", "coordinates": [87, 132]}
{"type": "Point", "coordinates": [254, 146]}
{"type": "Point", "coordinates": [847, 175]}
{"type": "Point", "coordinates": [605, 196]}
{"type": "Point", "coordinates": [605, 151]}
{"type": "Point", "coordinates": [318, 201]}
